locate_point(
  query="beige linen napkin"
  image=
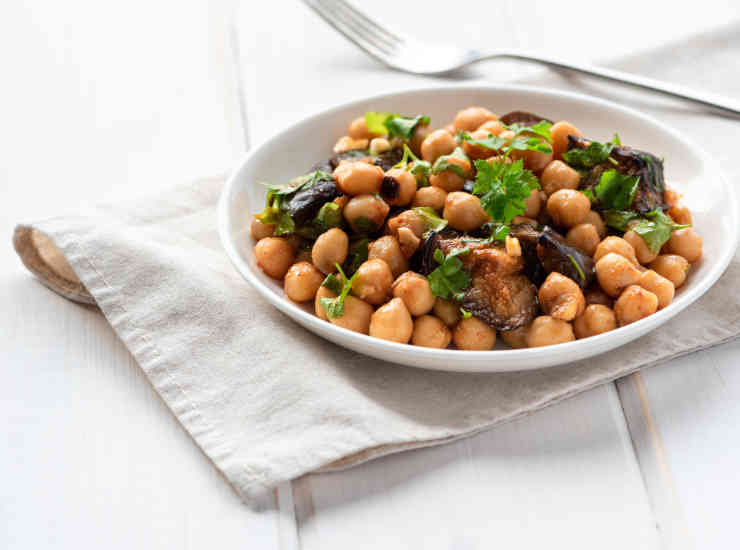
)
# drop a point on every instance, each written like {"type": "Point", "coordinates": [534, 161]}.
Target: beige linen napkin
{"type": "Point", "coordinates": [267, 400]}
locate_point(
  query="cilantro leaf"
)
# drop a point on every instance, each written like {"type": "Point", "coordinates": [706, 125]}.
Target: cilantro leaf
{"type": "Point", "coordinates": [393, 125]}
{"type": "Point", "coordinates": [615, 190]}
{"type": "Point", "coordinates": [445, 163]}
{"type": "Point", "coordinates": [656, 230]}
{"type": "Point", "coordinates": [449, 279]}
{"type": "Point", "coordinates": [432, 222]}
{"type": "Point", "coordinates": [503, 188]}
{"type": "Point", "coordinates": [595, 153]}
{"type": "Point", "coordinates": [335, 306]}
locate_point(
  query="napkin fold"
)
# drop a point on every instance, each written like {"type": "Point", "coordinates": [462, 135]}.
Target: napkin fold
{"type": "Point", "coordinates": [265, 399]}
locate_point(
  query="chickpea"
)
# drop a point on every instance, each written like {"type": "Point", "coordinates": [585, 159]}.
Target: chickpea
{"type": "Point", "coordinates": [671, 266]}
{"type": "Point", "coordinates": [533, 160]}
{"type": "Point", "coordinates": [379, 145]}
{"type": "Point", "coordinates": [680, 214]}
{"type": "Point", "coordinates": [414, 290]}
{"type": "Point", "coordinates": [302, 281]}
{"type": "Point", "coordinates": [557, 175]}
{"type": "Point", "coordinates": [583, 236]}
{"type": "Point", "coordinates": [398, 187]}
{"type": "Point", "coordinates": [373, 281]}
{"type": "Point", "coordinates": [346, 143]}
{"type": "Point", "coordinates": [408, 219]}
{"type": "Point", "coordinates": [633, 304]}
{"type": "Point", "coordinates": [447, 311]}
{"type": "Point", "coordinates": [330, 248]}
{"type": "Point", "coordinates": [358, 129]}
{"type": "Point", "coordinates": [616, 245]}
{"type": "Point", "coordinates": [473, 334]}
{"type": "Point", "coordinates": [366, 213]}
{"type": "Point", "coordinates": [433, 197]}
{"type": "Point", "coordinates": [274, 255]}
{"type": "Point", "coordinates": [687, 243]}
{"type": "Point", "coordinates": [356, 316]}
{"type": "Point", "coordinates": [358, 178]}
{"type": "Point", "coordinates": [597, 296]}
{"type": "Point", "coordinates": [559, 134]}
{"type": "Point", "coordinates": [448, 181]}
{"type": "Point", "coordinates": [436, 144]}
{"type": "Point", "coordinates": [387, 248]}
{"type": "Point", "coordinates": [493, 127]}
{"type": "Point", "coordinates": [546, 331]}
{"type": "Point", "coordinates": [408, 242]}
{"type": "Point", "coordinates": [595, 219]}
{"type": "Point", "coordinates": [472, 118]}
{"type": "Point", "coordinates": [430, 332]}
{"type": "Point", "coordinates": [392, 322]}
{"type": "Point", "coordinates": [260, 230]}
{"type": "Point", "coordinates": [533, 204]}
{"type": "Point", "coordinates": [322, 292]}
{"type": "Point", "coordinates": [463, 211]}
{"type": "Point", "coordinates": [643, 254]}
{"type": "Point", "coordinates": [658, 285]}
{"type": "Point", "coordinates": [561, 298]}
{"type": "Point", "coordinates": [516, 338]}
{"type": "Point", "coordinates": [420, 134]}
{"type": "Point", "coordinates": [615, 273]}
{"type": "Point", "coordinates": [477, 152]}
{"type": "Point", "coordinates": [671, 196]}
{"type": "Point", "coordinates": [596, 319]}
{"type": "Point", "coordinates": [568, 207]}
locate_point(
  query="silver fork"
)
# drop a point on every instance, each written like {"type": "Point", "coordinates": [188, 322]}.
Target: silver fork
{"type": "Point", "coordinates": [411, 56]}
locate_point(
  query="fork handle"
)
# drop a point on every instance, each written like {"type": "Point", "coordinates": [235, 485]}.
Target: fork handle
{"type": "Point", "coordinates": [714, 101]}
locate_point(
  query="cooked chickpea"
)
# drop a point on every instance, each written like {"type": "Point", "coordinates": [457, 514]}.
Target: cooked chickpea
{"type": "Point", "coordinates": [671, 266]}
{"type": "Point", "coordinates": [430, 332]}
{"type": "Point", "coordinates": [493, 127]}
{"type": "Point", "coordinates": [671, 196]}
{"type": "Point", "coordinates": [583, 236]}
{"type": "Point", "coordinates": [516, 338]}
{"type": "Point", "coordinates": [472, 118]}
{"type": "Point", "coordinates": [557, 175]}
{"type": "Point", "coordinates": [568, 207]}
{"type": "Point", "coordinates": [322, 292]}
{"type": "Point", "coordinates": [643, 254]}
{"type": "Point", "coordinates": [658, 285]}
{"type": "Point", "coordinates": [463, 211]}
{"type": "Point", "coordinates": [379, 145]}
{"type": "Point", "coordinates": [546, 331]}
{"type": "Point", "coordinates": [260, 230]}
{"type": "Point", "coordinates": [366, 213]}
{"type": "Point", "coordinates": [433, 197]}
{"type": "Point", "coordinates": [398, 187]}
{"type": "Point", "coordinates": [393, 322]}
{"type": "Point", "coordinates": [330, 248]}
{"type": "Point", "coordinates": [533, 204]}
{"type": "Point", "coordinates": [596, 220]}
{"type": "Point", "coordinates": [477, 152]}
{"type": "Point", "coordinates": [387, 248]}
{"type": "Point", "coordinates": [687, 243]}
{"type": "Point", "coordinates": [436, 144]}
{"type": "Point", "coordinates": [616, 245]}
{"type": "Point", "coordinates": [559, 134]}
{"type": "Point", "coordinates": [596, 319]}
{"type": "Point", "coordinates": [447, 311]}
{"type": "Point", "coordinates": [633, 304]}
{"type": "Point", "coordinates": [615, 273]}
{"type": "Point", "coordinates": [302, 281]}
{"type": "Point", "coordinates": [356, 316]}
{"type": "Point", "coordinates": [561, 298]}
{"type": "Point", "coordinates": [420, 134]}
{"type": "Point", "coordinates": [409, 219]}
{"type": "Point", "coordinates": [447, 180]}
{"type": "Point", "coordinates": [414, 290]}
{"type": "Point", "coordinates": [358, 129]}
{"type": "Point", "coordinates": [533, 160]}
{"type": "Point", "coordinates": [358, 178]}
{"type": "Point", "coordinates": [346, 143]}
{"type": "Point", "coordinates": [274, 255]}
{"type": "Point", "coordinates": [597, 296]}
{"type": "Point", "coordinates": [473, 334]}
{"type": "Point", "coordinates": [373, 281]}
{"type": "Point", "coordinates": [680, 214]}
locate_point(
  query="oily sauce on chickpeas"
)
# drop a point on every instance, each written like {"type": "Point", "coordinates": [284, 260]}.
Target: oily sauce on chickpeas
{"type": "Point", "coordinates": [429, 233]}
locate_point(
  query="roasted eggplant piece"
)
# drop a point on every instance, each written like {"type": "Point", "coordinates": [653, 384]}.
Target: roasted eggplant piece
{"type": "Point", "coordinates": [632, 162]}
{"type": "Point", "coordinates": [528, 237]}
{"type": "Point", "coordinates": [306, 203]}
{"type": "Point", "coordinates": [389, 159]}
{"type": "Point", "coordinates": [522, 118]}
{"type": "Point", "coordinates": [555, 255]}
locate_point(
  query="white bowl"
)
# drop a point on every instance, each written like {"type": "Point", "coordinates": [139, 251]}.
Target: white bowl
{"type": "Point", "coordinates": [294, 150]}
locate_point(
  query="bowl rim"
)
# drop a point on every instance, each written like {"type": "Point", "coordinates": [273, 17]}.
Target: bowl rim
{"type": "Point", "coordinates": [557, 353]}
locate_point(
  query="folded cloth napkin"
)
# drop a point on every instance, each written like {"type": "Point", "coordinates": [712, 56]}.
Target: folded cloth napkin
{"type": "Point", "coordinates": [265, 399]}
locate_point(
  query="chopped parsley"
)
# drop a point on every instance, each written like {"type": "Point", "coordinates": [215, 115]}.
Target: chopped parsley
{"type": "Point", "coordinates": [588, 157]}
{"type": "Point", "coordinates": [419, 168]}
{"type": "Point", "coordinates": [358, 253]}
{"type": "Point", "coordinates": [274, 214]}
{"type": "Point", "coordinates": [446, 163]}
{"type": "Point", "coordinates": [615, 190]}
{"type": "Point", "coordinates": [449, 280]}
{"type": "Point", "coordinates": [432, 222]}
{"type": "Point", "coordinates": [655, 227]}
{"type": "Point", "coordinates": [523, 140]}
{"type": "Point", "coordinates": [335, 306]}
{"type": "Point", "coordinates": [394, 125]}
{"type": "Point", "coordinates": [328, 216]}
{"type": "Point", "coordinates": [503, 188]}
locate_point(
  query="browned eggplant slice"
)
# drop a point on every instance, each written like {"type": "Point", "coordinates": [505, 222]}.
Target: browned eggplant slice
{"type": "Point", "coordinates": [522, 118]}
{"type": "Point", "coordinates": [306, 203]}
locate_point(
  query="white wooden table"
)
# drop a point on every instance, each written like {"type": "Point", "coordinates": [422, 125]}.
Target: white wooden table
{"type": "Point", "coordinates": [102, 101]}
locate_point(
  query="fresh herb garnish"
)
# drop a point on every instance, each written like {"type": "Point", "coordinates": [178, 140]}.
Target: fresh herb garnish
{"type": "Point", "coordinates": [616, 141]}
{"type": "Point", "coordinates": [446, 163]}
{"type": "Point", "coordinates": [419, 168]}
{"type": "Point", "coordinates": [655, 227]}
{"type": "Point", "coordinates": [595, 153]}
{"type": "Point", "coordinates": [615, 190]}
{"type": "Point", "coordinates": [432, 222]}
{"type": "Point", "coordinates": [335, 306]}
{"type": "Point", "coordinates": [465, 313]}
{"type": "Point", "coordinates": [363, 224]}
{"type": "Point", "coordinates": [521, 141]}
{"type": "Point", "coordinates": [394, 125]}
{"type": "Point", "coordinates": [589, 194]}
{"type": "Point", "coordinates": [581, 274]}
{"type": "Point", "coordinates": [449, 280]}
{"type": "Point", "coordinates": [503, 188]}
{"type": "Point", "coordinates": [328, 216]}
{"type": "Point", "coordinates": [274, 214]}
{"type": "Point", "coordinates": [620, 219]}
{"type": "Point", "coordinates": [500, 232]}
{"type": "Point", "coordinates": [299, 183]}
{"type": "Point", "coordinates": [358, 253]}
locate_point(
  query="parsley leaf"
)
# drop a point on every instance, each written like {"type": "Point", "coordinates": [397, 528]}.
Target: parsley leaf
{"type": "Point", "coordinates": [375, 122]}
{"type": "Point", "coordinates": [299, 183]}
{"type": "Point", "coordinates": [274, 214]}
{"type": "Point", "coordinates": [616, 141]}
{"type": "Point", "coordinates": [503, 188]}
{"type": "Point", "coordinates": [432, 222]}
{"type": "Point", "coordinates": [335, 306]}
{"type": "Point", "coordinates": [595, 153]}
{"type": "Point", "coordinates": [393, 125]}
{"type": "Point", "coordinates": [449, 279]}
{"type": "Point", "coordinates": [589, 194]}
{"type": "Point", "coordinates": [615, 190]}
{"type": "Point", "coordinates": [542, 129]}
{"type": "Point", "coordinates": [656, 230]}
{"type": "Point", "coordinates": [419, 168]}
{"type": "Point", "coordinates": [447, 163]}
{"type": "Point", "coordinates": [620, 219]}
{"type": "Point", "coordinates": [328, 216]}
{"type": "Point", "coordinates": [523, 140]}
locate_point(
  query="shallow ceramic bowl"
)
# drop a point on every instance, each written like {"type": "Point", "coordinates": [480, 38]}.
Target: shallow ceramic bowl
{"type": "Point", "coordinates": [294, 150]}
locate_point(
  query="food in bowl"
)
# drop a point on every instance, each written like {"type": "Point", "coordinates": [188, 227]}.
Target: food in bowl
{"type": "Point", "coordinates": [515, 227]}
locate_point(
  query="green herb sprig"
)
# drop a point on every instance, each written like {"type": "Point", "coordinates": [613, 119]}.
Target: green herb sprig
{"type": "Point", "coordinates": [655, 227]}
{"type": "Point", "coordinates": [503, 188]}
{"type": "Point", "coordinates": [411, 163]}
{"type": "Point", "coordinates": [521, 141]}
{"type": "Point", "coordinates": [449, 280]}
{"type": "Point", "coordinates": [394, 125]}
{"type": "Point", "coordinates": [334, 307]}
